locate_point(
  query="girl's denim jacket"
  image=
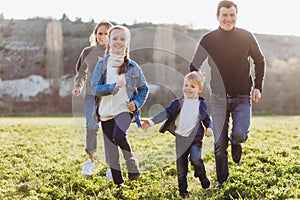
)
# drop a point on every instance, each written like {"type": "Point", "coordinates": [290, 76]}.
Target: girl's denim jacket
{"type": "Point", "coordinates": [171, 112]}
{"type": "Point", "coordinates": [137, 88]}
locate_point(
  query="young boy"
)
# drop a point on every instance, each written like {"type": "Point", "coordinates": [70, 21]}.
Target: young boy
{"type": "Point", "coordinates": [185, 117]}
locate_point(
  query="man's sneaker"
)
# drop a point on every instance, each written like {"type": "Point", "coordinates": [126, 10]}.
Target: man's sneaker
{"type": "Point", "coordinates": [236, 152]}
{"type": "Point", "coordinates": [205, 183]}
{"type": "Point", "coordinates": [108, 174]}
{"type": "Point", "coordinates": [88, 167]}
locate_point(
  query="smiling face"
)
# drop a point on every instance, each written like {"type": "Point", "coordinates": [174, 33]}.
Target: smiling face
{"type": "Point", "coordinates": [102, 35]}
{"type": "Point", "coordinates": [227, 18]}
{"type": "Point", "coordinates": [191, 88]}
{"type": "Point", "coordinates": [118, 41]}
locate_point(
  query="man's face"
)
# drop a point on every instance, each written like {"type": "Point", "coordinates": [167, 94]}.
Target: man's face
{"type": "Point", "coordinates": [227, 18]}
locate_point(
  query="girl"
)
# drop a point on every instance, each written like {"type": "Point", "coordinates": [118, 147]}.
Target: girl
{"type": "Point", "coordinates": [84, 69]}
{"type": "Point", "coordinates": [123, 89]}
{"type": "Point", "coordinates": [185, 118]}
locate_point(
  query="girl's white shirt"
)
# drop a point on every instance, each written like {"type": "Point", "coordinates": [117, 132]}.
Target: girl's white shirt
{"type": "Point", "coordinates": [112, 105]}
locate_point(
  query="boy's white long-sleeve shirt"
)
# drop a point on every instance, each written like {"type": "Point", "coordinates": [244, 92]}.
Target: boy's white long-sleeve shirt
{"type": "Point", "coordinates": [188, 117]}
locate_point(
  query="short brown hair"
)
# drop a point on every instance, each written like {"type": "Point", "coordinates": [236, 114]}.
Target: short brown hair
{"type": "Point", "coordinates": [226, 4]}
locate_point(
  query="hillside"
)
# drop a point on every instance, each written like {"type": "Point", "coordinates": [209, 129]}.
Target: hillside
{"type": "Point", "coordinates": [22, 45]}
{"type": "Point", "coordinates": [22, 53]}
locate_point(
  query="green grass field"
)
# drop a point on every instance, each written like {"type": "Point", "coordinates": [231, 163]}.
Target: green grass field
{"type": "Point", "coordinates": [41, 158]}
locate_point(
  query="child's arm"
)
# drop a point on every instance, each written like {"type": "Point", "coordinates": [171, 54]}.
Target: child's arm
{"type": "Point", "coordinates": [155, 120]}
{"type": "Point", "coordinates": [142, 90]}
{"type": "Point", "coordinates": [160, 117]}
{"type": "Point", "coordinates": [98, 88]}
{"type": "Point", "coordinates": [208, 125]}
{"type": "Point", "coordinates": [131, 106]}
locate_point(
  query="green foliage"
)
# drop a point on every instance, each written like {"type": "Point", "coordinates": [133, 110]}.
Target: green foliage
{"type": "Point", "coordinates": [281, 87]}
{"type": "Point", "coordinates": [41, 158]}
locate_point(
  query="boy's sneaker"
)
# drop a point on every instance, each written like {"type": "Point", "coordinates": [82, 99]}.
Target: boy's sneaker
{"type": "Point", "coordinates": [205, 183]}
{"type": "Point", "coordinates": [108, 174]}
{"type": "Point", "coordinates": [88, 167]}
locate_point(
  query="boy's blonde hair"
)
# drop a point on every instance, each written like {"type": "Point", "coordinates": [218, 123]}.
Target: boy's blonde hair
{"type": "Point", "coordinates": [196, 76]}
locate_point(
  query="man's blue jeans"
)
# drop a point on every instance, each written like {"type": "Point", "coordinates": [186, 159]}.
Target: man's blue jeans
{"type": "Point", "coordinates": [222, 108]}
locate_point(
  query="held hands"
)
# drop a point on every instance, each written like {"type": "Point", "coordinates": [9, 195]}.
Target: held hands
{"type": "Point", "coordinates": [208, 132]}
{"type": "Point", "coordinates": [256, 95]}
{"type": "Point", "coordinates": [145, 124]}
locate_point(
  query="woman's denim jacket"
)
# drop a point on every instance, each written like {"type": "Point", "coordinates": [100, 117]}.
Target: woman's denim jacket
{"type": "Point", "coordinates": [171, 112]}
{"type": "Point", "coordinates": [137, 88]}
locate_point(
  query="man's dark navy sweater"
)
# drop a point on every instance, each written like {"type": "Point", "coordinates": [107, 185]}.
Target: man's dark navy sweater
{"type": "Point", "coordinates": [228, 55]}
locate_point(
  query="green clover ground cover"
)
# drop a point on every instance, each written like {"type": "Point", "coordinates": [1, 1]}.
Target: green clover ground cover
{"type": "Point", "coordinates": [41, 158]}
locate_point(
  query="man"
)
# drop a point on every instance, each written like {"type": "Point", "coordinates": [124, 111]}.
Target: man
{"type": "Point", "coordinates": [229, 50]}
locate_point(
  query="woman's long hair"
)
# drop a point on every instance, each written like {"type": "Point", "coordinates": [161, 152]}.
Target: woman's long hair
{"type": "Point", "coordinates": [93, 38]}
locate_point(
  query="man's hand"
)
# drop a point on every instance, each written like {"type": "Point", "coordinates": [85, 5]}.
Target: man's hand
{"type": "Point", "coordinates": [256, 95]}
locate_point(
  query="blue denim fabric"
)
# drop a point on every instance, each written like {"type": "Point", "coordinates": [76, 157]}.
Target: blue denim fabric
{"type": "Point", "coordinates": [239, 108]}
{"type": "Point", "coordinates": [91, 126]}
{"type": "Point", "coordinates": [136, 84]}
{"type": "Point", "coordinates": [185, 149]}
{"type": "Point", "coordinates": [114, 134]}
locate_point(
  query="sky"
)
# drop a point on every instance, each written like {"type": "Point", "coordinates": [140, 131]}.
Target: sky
{"type": "Point", "coordinates": [257, 16]}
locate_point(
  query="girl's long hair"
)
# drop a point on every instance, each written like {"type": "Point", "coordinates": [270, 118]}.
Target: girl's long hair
{"type": "Point", "coordinates": [122, 68]}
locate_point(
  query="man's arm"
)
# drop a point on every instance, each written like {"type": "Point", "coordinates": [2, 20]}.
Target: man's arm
{"type": "Point", "coordinates": [259, 68]}
{"type": "Point", "coordinates": [198, 58]}
{"type": "Point", "coordinates": [259, 64]}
